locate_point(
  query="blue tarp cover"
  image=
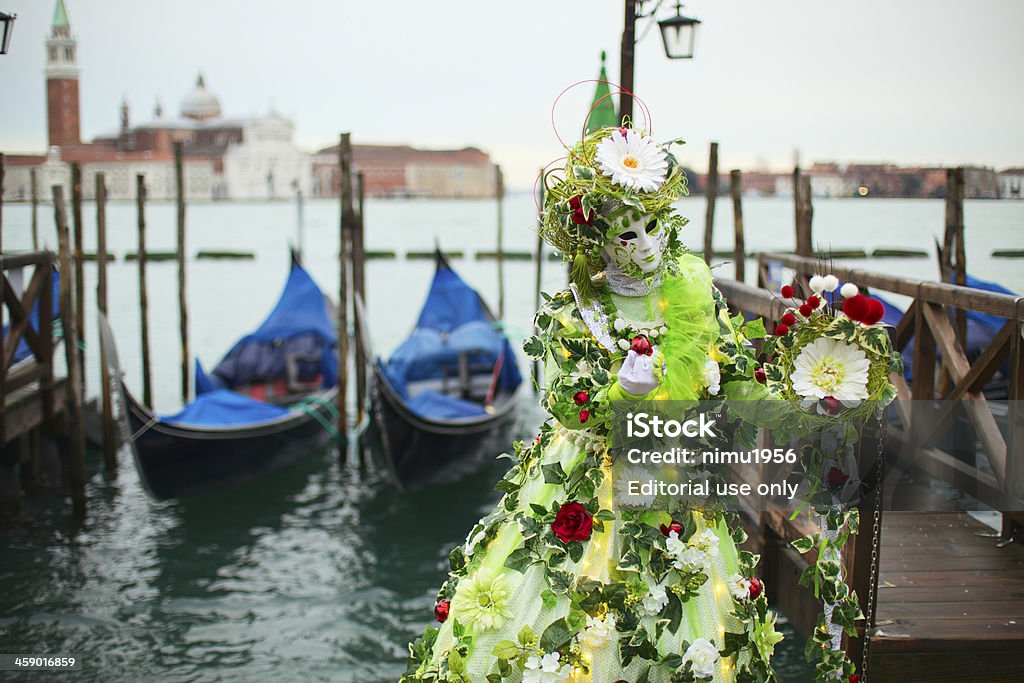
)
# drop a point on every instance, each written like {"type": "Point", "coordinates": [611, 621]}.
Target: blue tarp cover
{"type": "Point", "coordinates": [438, 406]}
{"type": "Point", "coordinates": [204, 383]}
{"type": "Point", "coordinates": [298, 327]}
{"type": "Point", "coordinates": [222, 407]}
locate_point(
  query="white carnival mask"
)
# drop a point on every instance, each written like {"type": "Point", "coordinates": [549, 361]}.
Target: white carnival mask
{"type": "Point", "coordinates": [639, 244]}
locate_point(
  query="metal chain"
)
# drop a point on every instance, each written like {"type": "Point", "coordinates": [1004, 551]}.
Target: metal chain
{"type": "Point", "coordinates": [876, 540]}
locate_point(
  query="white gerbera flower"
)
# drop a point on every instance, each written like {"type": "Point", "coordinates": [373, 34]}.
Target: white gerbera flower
{"type": "Point", "coordinates": [702, 656]}
{"type": "Point", "coordinates": [829, 367]}
{"type": "Point", "coordinates": [655, 600]}
{"type": "Point", "coordinates": [545, 669]}
{"type": "Point", "coordinates": [599, 631]}
{"type": "Point", "coordinates": [632, 161]}
{"type": "Point", "coordinates": [483, 601]}
{"type": "Point", "coordinates": [739, 586]}
{"type": "Point", "coordinates": [712, 377]}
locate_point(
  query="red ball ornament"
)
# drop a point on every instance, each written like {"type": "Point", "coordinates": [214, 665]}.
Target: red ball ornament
{"type": "Point", "coordinates": [789, 319]}
{"type": "Point", "coordinates": [830, 405]}
{"type": "Point", "coordinates": [572, 523]}
{"type": "Point", "coordinates": [787, 292]}
{"type": "Point", "coordinates": [672, 526]}
{"type": "Point", "coordinates": [813, 301]}
{"type": "Point", "coordinates": [756, 588]}
{"type": "Point", "coordinates": [642, 346]}
{"type": "Point", "coordinates": [584, 416]}
{"type": "Point", "coordinates": [806, 310]}
{"type": "Point", "coordinates": [581, 397]}
{"type": "Point", "coordinates": [875, 312]}
{"type": "Point", "coordinates": [441, 610]}
{"type": "Point", "coordinates": [836, 478]}
{"type": "Point", "coordinates": [760, 375]}
{"type": "Point", "coordinates": [781, 330]}
{"type": "Point", "coordinates": [856, 307]}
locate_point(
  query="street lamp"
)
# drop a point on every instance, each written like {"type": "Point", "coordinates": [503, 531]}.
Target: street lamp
{"type": "Point", "coordinates": [8, 21]}
{"type": "Point", "coordinates": [679, 34]}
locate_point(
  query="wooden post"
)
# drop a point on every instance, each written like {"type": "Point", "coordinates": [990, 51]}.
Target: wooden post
{"type": "Point", "coordinates": [179, 173]}
{"type": "Point", "coordinates": [537, 276]}
{"type": "Point", "coordinates": [140, 203]}
{"type": "Point", "coordinates": [739, 250]}
{"type": "Point", "coordinates": [359, 289]}
{"type": "Point", "coordinates": [626, 61]}
{"type": "Point", "coordinates": [34, 182]}
{"type": "Point", "coordinates": [77, 247]}
{"type": "Point", "coordinates": [347, 218]}
{"type": "Point", "coordinates": [2, 164]}
{"type": "Point", "coordinates": [75, 454]}
{"type": "Point", "coordinates": [499, 192]}
{"type": "Point", "coordinates": [109, 445]}
{"type": "Point", "coordinates": [712, 195]}
{"type": "Point", "coordinates": [804, 213]}
{"type": "Point", "coordinates": [954, 266]}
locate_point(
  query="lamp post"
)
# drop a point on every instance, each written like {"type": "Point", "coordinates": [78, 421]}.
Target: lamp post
{"type": "Point", "coordinates": [8, 28]}
{"type": "Point", "coordinates": [678, 34]}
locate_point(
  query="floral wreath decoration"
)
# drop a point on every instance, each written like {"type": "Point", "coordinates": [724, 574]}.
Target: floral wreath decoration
{"type": "Point", "coordinates": [611, 177]}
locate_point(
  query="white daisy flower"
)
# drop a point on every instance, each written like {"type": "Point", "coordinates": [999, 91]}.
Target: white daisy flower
{"type": "Point", "coordinates": [545, 669]}
{"type": "Point", "coordinates": [632, 161]}
{"type": "Point", "coordinates": [739, 586]}
{"type": "Point", "coordinates": [829, 367]}
{"type": "Point", "coordinates": [599, 631]}
{"type": "Point", "coordinates": [483, 601]}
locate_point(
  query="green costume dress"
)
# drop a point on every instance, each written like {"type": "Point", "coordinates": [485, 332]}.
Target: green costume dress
{"type": "Point", "coordinates": [560, 583]}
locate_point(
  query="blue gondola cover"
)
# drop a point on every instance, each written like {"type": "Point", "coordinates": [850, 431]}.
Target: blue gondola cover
{"type": "Point", "coordinates": [23, 351]}
{"type": "Point", "coordinates": [223, 407]}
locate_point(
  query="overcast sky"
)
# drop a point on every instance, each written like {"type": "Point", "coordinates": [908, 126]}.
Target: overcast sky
{"type": "Point", "coordinates": [907, 81]}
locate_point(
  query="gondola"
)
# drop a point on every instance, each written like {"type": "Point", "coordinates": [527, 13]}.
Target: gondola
{"type": "Point", "coordinates": [266, 404]}
{"type": "Point", "coordinates": [444, 401]}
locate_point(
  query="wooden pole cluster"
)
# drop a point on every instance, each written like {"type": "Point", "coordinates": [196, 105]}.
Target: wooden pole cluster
{"type": "Point", "coordinates": [78, 247]}
{"type": "Point", "coordinates": [140, 203]}
{"type": "Point", "coordinates": [804, 213]}
{"type": "Point", "coordinates": [34, 183]}
{"type": "Point", "coordinates": [739, 248]}
{"type": "Point", "coordinates": [74, 454]}
{"type": "Point", "coordinates": [359, 290]}
{"type": "Point", "coordinates": [712, 195]}
{"type": "Point", "coordinates": [179, 173]}
{"type": "Point", "coordinates": [347, 218]}
{"type": "Point", "coordinates": [537, 276]}
{"type": "Point", "coordinates": [109, 436]}
{"type": "Point", "coordinates": [499, 192]}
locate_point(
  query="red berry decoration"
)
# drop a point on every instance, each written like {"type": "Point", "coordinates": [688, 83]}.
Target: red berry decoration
{"type": "Point", "coordinates": [572, 523]}
{"type": "Point", "coordinates": [805, 310]}
{"type": "Point", "coordinates": [578, 216]}
{"type": "Point", "coordinates": [875, 312]}
{"type": "Point", "coordinates": [581, 397]}
{"type": "Point", "coordinates": [856, 307]}
{"type": "Point", "coordinates": [781, 330]}
{"type": "Point", "coordinates": [441, 610]}
{"type": "Point", "coordinates": [536, 439]}
{"type": "Point", "coordinates": [756, 588]}
{"type": "Point", "coordinates": [830, 405]}
{"type": "Point", "coordinates": [584, 416]}
{"type": "Point", "coordinates": [789, 319]}
{"type": "Point", "coordinates": [673, 526]}
{"type": "Point", "coordinates": [623, 130]}
{"type": "Point", "coordinates": [642, 346]}
{"type": "Point", "coordinates": [813, 301]}
{"type": "Point", "coordinates": [787, 292]}
{"type": "Point", "coordinates": [760, 375]}
{"type": "Point", "coordinates": [837, 478]}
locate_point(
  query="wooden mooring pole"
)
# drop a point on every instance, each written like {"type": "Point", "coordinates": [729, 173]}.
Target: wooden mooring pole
{"type": "Point", "coordinates": [347, 217]}
{"type": "Point", "coordinates": [34, 183]}
{"type": "Point", "coordinates": [804, 213]}
{"type": "Point", "coordinates": [539, 256]}
{"type": "Point", "coordinates": [739, 253]}
{"type": "Point", "coordinates": [140, 203]}
{"type": "Point", "coordinates": [359, 290]}
{"type": "Point", "coordinates": [499, 193]}
{"type": "Point", "coordinates": [179, 174]}
{"type": "Point", "coordinates": [711, 195]}
{"type": "Point", "coordinates": [77, 249]}
{"type": "Point", "coordinates": [74, 454]}
{"type": "Point", "coordinates": [109, 444]}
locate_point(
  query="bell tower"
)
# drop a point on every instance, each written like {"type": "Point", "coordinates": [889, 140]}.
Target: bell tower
{"type": "Point", "coordinates": [62, 81]}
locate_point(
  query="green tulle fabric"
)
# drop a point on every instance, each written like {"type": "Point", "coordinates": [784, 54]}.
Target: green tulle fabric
{"type": "Point", "coordinates": [689, 312]}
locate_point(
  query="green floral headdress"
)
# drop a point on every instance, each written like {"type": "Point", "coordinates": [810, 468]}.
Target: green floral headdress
{"type": "Point", "coordinates": [611, 177]}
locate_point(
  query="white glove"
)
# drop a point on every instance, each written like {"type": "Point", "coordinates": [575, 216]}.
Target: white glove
{"type": "Point", "coordinates": [636, 375]}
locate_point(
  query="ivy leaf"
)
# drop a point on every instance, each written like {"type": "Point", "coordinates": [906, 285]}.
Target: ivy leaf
{"type": "Point", "coordinates": [673, 612]}
{"type": "Point", "coordinates": [575, 551]}
{"type": "Point", "coordinates": [519, 560]}
{"type": "Point", "coordinates": [560, 582]}
{"type": "Point", "coordinates": [456, 663]}
{"type": "Point", "coordinates": [525, 636]}
{"type": "Point", "coordinates": [548, 598]}
{"type": "Point", "coordinates": [553, 473]}
{"type": "Point", "coordinates": [506, 649]}
{"type": "Point", "coordinates": [456, 559]}
{"type": "Point", "coordinates": [802, 545]}
{"type": "Point", "coordinates": [555, 635]}
{"type": "Point", "coordinates": [534, 348]}
{"type": "Point", "coordinates": [754, 329]}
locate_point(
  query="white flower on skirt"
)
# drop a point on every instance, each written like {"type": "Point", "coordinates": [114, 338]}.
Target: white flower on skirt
{"type": "Point", "coordinates": [599, 631]}
{"type": "Point", "coordinates": [739, 586]}
{"type": "Point", "coordinates": [708, 540]}
{"type": "Point", "coordinates": [712, 377]}
{"type": "Point", "coordinates": [483, 601]}
{"type": "Point", "coordinates": [545, 669]}
{"type": "Point", "coordinates": [702, 656]}
{"type": "Point", "coordinates": [632, 161]}
{"type": "Point", "coordinates": [655, 600]}
{"type": "Point", "coordinates": [829, 367]}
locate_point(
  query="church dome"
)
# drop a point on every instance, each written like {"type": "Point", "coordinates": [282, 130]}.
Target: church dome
{"type": "Point", "coordinates": [200, 103]}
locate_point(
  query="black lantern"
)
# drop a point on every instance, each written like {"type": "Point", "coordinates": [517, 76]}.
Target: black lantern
{"type": "Point", "coordinates": [679, 34]}
{"type": "Point", "coordinates": [8, 28]}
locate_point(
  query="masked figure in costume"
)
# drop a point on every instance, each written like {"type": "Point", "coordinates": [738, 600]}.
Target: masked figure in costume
{"type": "Point", "coordinates": [560, 583]}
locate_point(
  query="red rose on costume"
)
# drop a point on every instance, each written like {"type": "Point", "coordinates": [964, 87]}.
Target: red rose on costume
{"type": "Point", "coordinates": [781, 330]}
{"type": "Point", "coordinates": [572, 523]}
{"type": "Point", "coordinates": [787, 292]}
{"type": "Point", "coordinates": [760, 375]}
{"type": "Point", "coordinates": [578, 216]}
{"type": "Point", "coordinates": [584, 415]}
{"type": "Point", "coordinates": [874, 313]}
{"type": "Point", "coordinates": [813, 301]}
{"type": "Point", "coordinates": [830, 405]}
{"type": "Point", "coordinates": [806, 310]}
{"type": "Point", "coordinates": [673, 526]}
{"type": "Point", "coordinates": [581, 397]}
{"type": "Point", "coordinates": [854, 678]}
{"type": "Point", "coordinates": [789, 318]}
{"type": "Point", "coordinates": [642, 345]}
{"type": "Point", "coordinates": [756, 588]}
{"type": "Point", "coordinates": [441, 611]}
{"type": "Point", "coordinates": [836, 478]}
{"type": "Point", "coordinates": [856, 307]}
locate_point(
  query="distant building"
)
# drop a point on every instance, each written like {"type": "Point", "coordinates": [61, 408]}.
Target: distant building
{"type": "Point", "coordinates": [403, 171]}
{"type": "Point", "coordinates": [1011, 183]}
